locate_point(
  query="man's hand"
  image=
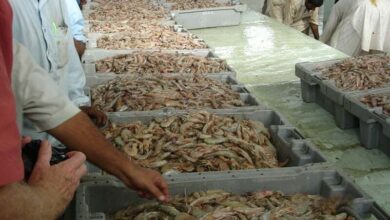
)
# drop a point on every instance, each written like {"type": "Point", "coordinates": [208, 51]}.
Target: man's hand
{"type": "Point", "coordinates": [49, 189]}
{"type": "Point", "coordinates": [148, 183]}
{"type": "Point", "coordinates": [80, 47]}
{"type": "Point", "coordinates": [314, 30]}
{"type": "Point", "coordinates": [59, 182]}
{"type": "Point", "coordinates": [93, 113]}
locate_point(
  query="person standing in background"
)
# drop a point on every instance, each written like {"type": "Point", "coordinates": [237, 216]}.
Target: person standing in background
{"type": "Point", "coordinates": [301, 15]}
{"type": "Point", "coordinates": [76, 25]}
{"type": "Point", "coordinates": [358, 27]}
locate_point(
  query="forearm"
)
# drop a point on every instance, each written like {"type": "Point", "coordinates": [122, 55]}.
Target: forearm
{"type": "Point", "coordinates": [80, 134]}
{"type": "Point", "coordinates": [21, 201]}
{"type": "Point", "coordinates": [314, 29]}
{"type": "Point", "coordinates": [80, 47]}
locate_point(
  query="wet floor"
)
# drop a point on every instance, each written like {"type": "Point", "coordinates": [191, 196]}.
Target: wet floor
{"type": "Point", "coordinates": [264, 52]}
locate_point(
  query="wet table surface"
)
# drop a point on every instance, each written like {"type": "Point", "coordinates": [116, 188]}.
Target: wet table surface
{"type": "Point", "coordinates": [263, 52]}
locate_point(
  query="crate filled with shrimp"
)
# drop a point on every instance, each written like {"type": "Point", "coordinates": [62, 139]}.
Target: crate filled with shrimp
{"type": "Point", "coordinates": [203, 141]}
{"type": "Point", "coordinates": [158, 62]}
{"type": "Point", "coordinates": [109, 27]}
{"type": "Point", "coordinates": [372, 109]}
{"type": "Point", "coordinates": [124, 11]}
{"type": "Point", "coordinates": [148, 36]}
{"type": "Point", "coordinates": [274, 194]}
{"type": "Point", "coordinates": [328, 83]}
{"type": "Point", "coordinates": [161, 93]}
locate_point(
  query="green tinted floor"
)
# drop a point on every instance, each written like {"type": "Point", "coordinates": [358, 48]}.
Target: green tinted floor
{"type": "Point", "coordinates": [264, 52]}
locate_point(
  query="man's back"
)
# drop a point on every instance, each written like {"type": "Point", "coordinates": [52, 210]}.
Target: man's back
{"type": "Point", "coordinates": [358, 25]}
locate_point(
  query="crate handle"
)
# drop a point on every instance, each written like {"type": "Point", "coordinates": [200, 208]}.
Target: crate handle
{"type": "Point", "coordinates": [298, 134]}
{"type": "Point", "coordinates": [380, 115]}
{"type": "Point", "coordinates": [379, 213]}
{"type": "Point", "coordinates": [318, 77]}
{"type": "Point", "coordinates": [245, 90]}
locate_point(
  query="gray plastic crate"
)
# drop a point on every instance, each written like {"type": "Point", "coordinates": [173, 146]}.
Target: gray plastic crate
{"type": "Point", "coordinates": [311, 92]}
{"type": "Point", "coordinates": [250, 101]}
{"type": "Point", "coordinates": [364, 112]}
{"type": "Point", "coordinates": [94, 55]}
{"type": "Point", "coordinates": [90, 67]}
{"type": "Point", "coordinates": [92, 168]}
{"type": "Point", "coordinates": [96, 199]}
{"type": "Point", "coordinates": [375, 135]}
{"type": "Point", "coordinates": [209, 17]}
{"type": "Point", "coordinates": [381, 132]}
{"type": "Point", "coordinates": [267, 117]}
{"type": "Point", "coordinates": [97, 79]}
{"type": "Point", "coordinates": [93, 38]}
{"type": "Point", "coordinates": [324, 93]}
{"type": "Point", "coordinates": [311, 82]}
{"type": "Point", "coordinates": [372, 123]}
{"type": "Point", "coordinates": [332, 97]}
{"type": "Point", "coordinates": [291, 146]}
{"type": "Point", "coordinates": [164, 21]}
{"type": "Point", "coordinates": [309, 71]}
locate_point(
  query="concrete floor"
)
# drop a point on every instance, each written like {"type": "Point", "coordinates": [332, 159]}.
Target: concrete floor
{"type": "Point", "coordinates": [264, 52]}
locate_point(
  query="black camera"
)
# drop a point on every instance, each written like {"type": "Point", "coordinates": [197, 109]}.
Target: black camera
{"type": "Point", "coordinates": [30, 156]}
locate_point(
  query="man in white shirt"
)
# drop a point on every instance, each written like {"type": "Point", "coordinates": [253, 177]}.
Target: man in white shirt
{"type": "Point", "coordinates": [358, 27]}
{"type": "Point", "coordinates": [76, 25]}
{"type": "Point", "coordinates": [41, 26]}
{"type": "Point", "coordinates": [301, 15]}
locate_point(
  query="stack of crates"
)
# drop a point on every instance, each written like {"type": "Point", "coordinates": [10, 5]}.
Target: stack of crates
{"type": "Point", "coordinates": [346, 106]}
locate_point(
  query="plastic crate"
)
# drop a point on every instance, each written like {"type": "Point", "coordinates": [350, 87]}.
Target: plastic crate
{"type": "Point", "coordinates": [163, 21]}
{"type": "Point", "coordinates": [209, 17]}
{"type": "Point", "coordinates": [93, 38]}
{"type": "Point", "coordinates": [93, 55]}
{"type": "Point", "coordinates": [97, 79]}
{"type": "Point", "coordinates": [375, 135]}
{"type": "Point", "coordinates": [250, 101]}
{"type": "Point", "coordinates": [313, 93]}
{"type": "Point", "coordinates": [96, 199]}
{"type": "Point", "coordinates": [332, 97]}
{"type": "Point", "coordinates": [288, 141]}
{"type": "Point", "coordinates": [90, 66]}
{"type": "Point", "coordinates": [372, 123]}
{"type": "Point", "coordinates": [324, 93]}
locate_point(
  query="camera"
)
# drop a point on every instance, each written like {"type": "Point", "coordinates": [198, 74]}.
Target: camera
{"type": "Point", "coordinates": [30, 156]}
